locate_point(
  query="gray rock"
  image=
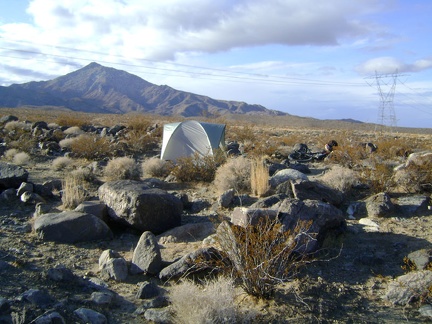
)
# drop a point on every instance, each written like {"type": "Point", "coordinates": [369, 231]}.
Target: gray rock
{"type": "Point", "coordinates": [187, 265]}
{"type": "Point", "coordinates": [134, 204]}
{"type": "Point", "coordinates": [159, 316]}
{"type": "Point", "coordinates": [8, 195]}
{"type": "Point", "coordinates": [268, 202]}
{"type": "Point", "coordinates": [113, 266]}
{"type": "Point", "coordinates": [226, 198]}
{"type": "Point", "coordinates": [94, 207]}
{"type": "Point", "coordinates": [24, 186]}
{"type": "Point", "coordinates": [413, 205]}
{"type": "Point", "coordinates": [8, 118]}
{"type": "Point", "coordinates": [426, 311]}
{"type": "Point", "coordinates": [37, 297]}
{"type": "Point", "coordinates": [42, 208]}
{"type": "Point", "coordinates": [379, 205]}
{"type": "Point", "coordinates": [406, 288]}
{"type": "Point", "coordinates": [323, 218]}
{"type": "Point", "coordinates": [244, 216]}
{"type": "Point", "coordinates": [60, 274]}
{"type": "Point", "coordinates": [102, 298]}
{"type": "Point", "coordinates": [305, 189]}
{"type": "Point", "coordinates": [147, 290]}
{"type": "Point", "coordinates": [28, 197]}
{"type": "Point", "coordinates": [157, 302]}
{"type": "Point", "coordinates": [4, 305]}
{"type": "Point", "coordinates": [11, 176]}
{"type": "Point", "coordinates": [191, 232]}
{"type": "Point", "coordinates": [71, 227]}
{"type": "Point", "coordinates": [421, 258]}
{"type": "Point", "coordinates": [50, 318]}
{"type": "Point", "coordinates": [146, 257]}
{"type": "Point", "coordinates": [286, 175]}
{"type": "Point", "coordinates": [90, 316]}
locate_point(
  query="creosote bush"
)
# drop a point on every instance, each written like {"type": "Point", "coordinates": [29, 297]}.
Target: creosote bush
{"type": "Point", "coordinates": [263, 255]}
{"type": "Point", "coordinates": [122, 168]}
{"type": "Point", "coordinates": [90, 146]}
{"type": "Point", "coordinates": [195, 168]}
{"type": "Point", "coordinates": [235, 174]}
{"type": "Point", "coordinates": [212, 301]}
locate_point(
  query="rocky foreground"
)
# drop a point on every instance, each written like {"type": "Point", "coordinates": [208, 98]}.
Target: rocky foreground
{"type": "Point", "coordinates": [115, 257]}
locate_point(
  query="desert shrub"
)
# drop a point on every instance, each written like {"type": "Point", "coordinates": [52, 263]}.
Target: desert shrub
{"type": "Point", "coordinates": [195, 168]}
{"type": "Point", "coordinates": [141, 135]}
{"type": "Point", "coordinates": [122, 168]}
{"type": "Point", "coordinates": [74, 190]}
{"type": "Point", "coordinates": [62, 162]}
{"type": "Point", "coordinates": [91, 146]}
{"type": "Point", "coordinates": [209, 302]}
{"type": "Point", "coordinates": [9, 154]}
{"type": "Point", "coordinates": [17, 127]}
{"type": "Point", "coordinates": [21, 158]}
{"type": "Point", "coordinates": [259, 177]}
{"type": "Point", "coordinates": [74, 130]}
{"type": "Point", "coordinates": [340, 178]}
{"type": "Point", "coordinates": [234, 174]}
{"type": "Point", "coordinates": [414, 178]}
{"type": "Point", "coordinates": [263, 255]}
{"type": "Point", "coordinates": [379, 175]}
{"type": "Point", "coordinates": [70, 121]}
{"type": "Point", "coordinates": [67, 142]}
{"type": "Point", "coordinates": [155, 167]}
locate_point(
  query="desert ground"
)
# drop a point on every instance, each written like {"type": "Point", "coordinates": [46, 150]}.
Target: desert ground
{"type": "Point", "coordinates": [346, 283]}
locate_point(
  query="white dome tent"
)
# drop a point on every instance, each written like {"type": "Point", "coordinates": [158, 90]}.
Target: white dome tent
{"type": "Point", "coordinates": [187, 138]}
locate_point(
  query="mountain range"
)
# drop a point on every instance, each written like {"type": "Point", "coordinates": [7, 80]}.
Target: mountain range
{"type": "Point", "coordinates": [99, 89]}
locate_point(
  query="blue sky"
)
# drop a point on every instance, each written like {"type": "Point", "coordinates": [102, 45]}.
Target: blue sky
{"type": "Point", "coordinates": [307, 58]}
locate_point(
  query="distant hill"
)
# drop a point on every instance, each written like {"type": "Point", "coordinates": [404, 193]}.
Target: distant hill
{"type": "Point", "coordinates": [99, 89]}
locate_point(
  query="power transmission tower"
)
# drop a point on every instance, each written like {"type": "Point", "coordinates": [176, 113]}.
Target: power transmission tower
{"type": "Point", "coordinates": [386, 86]}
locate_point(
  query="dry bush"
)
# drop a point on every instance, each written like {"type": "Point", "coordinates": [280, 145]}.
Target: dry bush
{"type": "Point", "coordinates": [122, 168]}
{"type": "Point", "coordinates": [74, 190]}
{"type": "Point", "coordinates": [9, 154]}
{"type": "Point", "coordinates": [262, 256]}
{"type": "Point", "coordinates": [155, 167]}
{"type": "Point", "coordinates": [209, 302]}
{"type": "Point", "coordinates": [71, 120]}
{"type": "Point", "coordinates": [195, 168]}
{"type": "Point", "coordinates": [17, 127]}
{"type": "Point", "coordinates": [259, 177]}
{"type": "Point", "coordinates": [340, 178]}
{"type": "Point", "coordinates": [379, 176]}
{"type": "Point", "coordinates": [21, 158]}
{"type": "Point", "coordinates": [60, 163]}
{"type": "Point", "coordinates": [67, 142]}
{"type": "Point", "coordinates": [234, 174]}
{"type": "Point", "coordinates": [91, 146]}
{"type": "Point", "coordinates": [74, 130]}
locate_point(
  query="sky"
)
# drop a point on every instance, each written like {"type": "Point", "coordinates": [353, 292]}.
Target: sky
{"type": "Point", "coordinates": [368, 60]}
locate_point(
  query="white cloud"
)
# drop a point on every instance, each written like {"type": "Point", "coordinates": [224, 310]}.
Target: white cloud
{"type": "Point", "coordinates": [388, 64]}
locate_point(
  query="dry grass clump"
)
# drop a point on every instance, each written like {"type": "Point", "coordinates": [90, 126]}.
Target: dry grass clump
{"type": "Point", "coordinates": [21, 158]}
{"type": "Point", "coordinates": [234, 174]}
{"type": "Point", "coordinates": [340, 178]}
{"type": "Point", "coordinates": [74, 130]}
{"type": "Point", "coordinates": [17, 126]}
{"type": "Point", "coordinates": [74, 189]}
{"type": "Point", "coordinates": [195, 168]}
{"type": "Point", "coordinates": [259, 177]}
{"type": "Point", "coordinates": [155, 167]}
{"type": "Point", "coordinates": [67, 142]}
{"type": "Point", "coordinates": [9, 154]}
{"type": "Point", "coordinates": [71, 120]}
{"type": "Point", "coordinates": [61, 163]}
{"type": "Point", "coordinates": [91, 146]}
{"type": "Point", "coordinates": [122, 168]}
{"type": "Point", "coordinates": [209, 302]}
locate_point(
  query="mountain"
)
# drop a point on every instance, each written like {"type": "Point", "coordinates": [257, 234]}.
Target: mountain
{"type": "Point", "coordinates": [96, 88]}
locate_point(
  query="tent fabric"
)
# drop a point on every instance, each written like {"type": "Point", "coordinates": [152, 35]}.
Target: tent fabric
{"type": "Point", "coordinates": [190, 137]}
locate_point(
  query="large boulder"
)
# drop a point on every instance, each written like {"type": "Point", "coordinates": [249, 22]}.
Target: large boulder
{"type": "Point", "coordinates": [11, 176]}
{"type": "Point", "coordinates": [379, 205]}
{"type": "Point", "coordinates": [286, 175]}
{"type": "Point", "coordinates": [409, 287]}
{"type": "Point", "coordinates": [318, 218]}
{"type": "Point", "coordinates": [71, 227]}
{"type": "Point", "coordinates": [312, 190]}
{"type": "Point", "coordinates": [135, 204]}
